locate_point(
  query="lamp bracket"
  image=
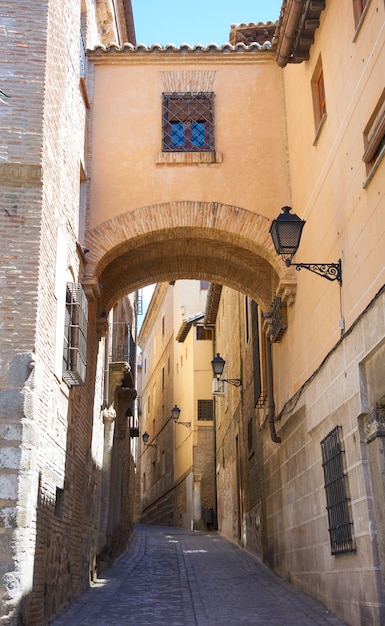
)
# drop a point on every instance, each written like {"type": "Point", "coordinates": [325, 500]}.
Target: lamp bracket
{"type": "Point", "coordinates": [330, 271]}
{"type": "Point", "coordinates": [150, 445]}
{"type": "Point", "coordinates": [187, 424]}
{"type": "Point", "coordinates": [236, 382]}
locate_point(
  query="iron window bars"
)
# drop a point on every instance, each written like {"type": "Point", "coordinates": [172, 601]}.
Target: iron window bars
{"type": "Point", "coordinates": [188, 122]}
{"type": "Point", "coordinates": [205, 410]}
{"type": "Point", "coordinates": [75, 335]}
{"type": "Point", "coordinates": [340, 525]}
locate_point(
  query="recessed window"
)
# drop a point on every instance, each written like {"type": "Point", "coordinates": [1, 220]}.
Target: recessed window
{"type": "Point", "coordinates": [203, 334]}
{"type": "Point", "coordinates": [188, 122]}
{"type": "Point", "coordinates": [256, 353]}
{"type": "Point", "coordinates": [75, 335]}
{"type": "Point", "coordinates": [374, 136]}
{"type": "Point", "coordinates": [205, 410]}
{"type": "Point", "coordinates": [319, 97]}
{"type": "Point", "coordinates": [340, 525]}
{"type": "Point", "coordinates": [59, 503]}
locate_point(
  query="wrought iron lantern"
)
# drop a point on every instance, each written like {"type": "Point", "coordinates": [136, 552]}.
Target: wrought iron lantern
{"type": "Point", "coordinates": [286, 231]}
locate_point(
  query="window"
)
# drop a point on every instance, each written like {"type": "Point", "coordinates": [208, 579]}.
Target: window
{"type": "Point", "coordinates": [188, 124]}
{"type": "Point", "coordinates": [75, 335]}
{"type": "Point", "coordinates": [278, 320]}
{"type": "Point", "coordinates": [374, 136]}
{"type": "Point", "coordinates": [319, 99]}
{"type": "Point", "coordinates": [247, 320]}
{"type": "Point", "coordinates": [205, 410]}
{"type": "Point", "coordinates": [203, 334]}
{"type": "Point", "coordinates": [250, 434]}
{"type": "Point", "coordinates": [340, 526]}
{"type": "Point", "coordinates": [256, 353]}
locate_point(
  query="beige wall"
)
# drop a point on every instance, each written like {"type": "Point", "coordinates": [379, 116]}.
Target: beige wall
{"type": "Point", "coordinates": [189, 451]}
{"type": "Point", "coordinates": [127, 133]}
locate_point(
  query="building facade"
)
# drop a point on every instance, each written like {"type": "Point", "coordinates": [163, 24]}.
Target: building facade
{"type": "Point", "coordinates": [177, 464]}
{"type": "Point", "coordinates": [64, 446]}
{"type": "Point", "coordinates": [135, 165]}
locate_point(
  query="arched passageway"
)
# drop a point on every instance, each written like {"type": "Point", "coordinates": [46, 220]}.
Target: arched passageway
{"type": "Point", "coordinates": [181, 240]}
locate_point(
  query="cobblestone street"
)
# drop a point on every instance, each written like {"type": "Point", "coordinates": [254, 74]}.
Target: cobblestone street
{"type": "Point", "coordinates": [170, 576]}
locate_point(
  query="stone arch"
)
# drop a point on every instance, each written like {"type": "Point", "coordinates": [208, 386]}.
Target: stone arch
{"type": "Point", "coordinates": [180, 240]}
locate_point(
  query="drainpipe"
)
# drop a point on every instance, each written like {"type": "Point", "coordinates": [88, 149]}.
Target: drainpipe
{"type": "Point", "coordinates": [294, 13]}
{"type": "Point", "coordinates": [270, 392]}
{"type": "Point", "coordinates": [106, 367]}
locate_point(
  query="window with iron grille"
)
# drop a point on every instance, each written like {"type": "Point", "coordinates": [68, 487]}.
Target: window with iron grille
{"type": "Point", "coordinates": [278, 320]}
{"type": "Point", "coordinates": [205, 410]}
{"type": "Point", "coordinates": [188, 122]}
{"type": "Point", "coordinates": [256, 352]}
{"type": "Point", "coordinates": [340, 525]}
{"type": "Point", "coordinates": [75, 335]}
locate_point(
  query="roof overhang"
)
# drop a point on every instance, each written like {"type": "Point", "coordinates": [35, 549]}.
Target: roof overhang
{"type": "Point", "coordinates": [186, 325]}
{"type": "Point", "coordinates": [297, 24]}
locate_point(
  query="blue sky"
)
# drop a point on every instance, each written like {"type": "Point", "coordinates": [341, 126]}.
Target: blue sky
{"type": "Point", "coordinates": [197, 21]}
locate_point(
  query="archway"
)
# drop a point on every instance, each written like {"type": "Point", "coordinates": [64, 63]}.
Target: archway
{"type": "Point", "coordinates": [220, 243]}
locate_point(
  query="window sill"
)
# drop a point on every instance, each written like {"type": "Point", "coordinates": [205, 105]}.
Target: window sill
{"type": "Point", "coordinates": [187, 158]}
{"type": "Point", "coordinates": [320, 127]}
{"type": "Point", "coordinates": [374, 168]}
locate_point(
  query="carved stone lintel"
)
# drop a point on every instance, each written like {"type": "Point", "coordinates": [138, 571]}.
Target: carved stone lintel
{"type": "Point", "coordinates": [375, 425]}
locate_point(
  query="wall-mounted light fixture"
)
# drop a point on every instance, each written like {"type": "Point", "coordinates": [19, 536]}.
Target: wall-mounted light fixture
{"type": "Point", "coordinates": [218, 365]}
{"type": "Point", "coordinates": [175, 413]}
{"type": "Point", "coordinates": [286, 233]}
{"type": "Point", "coordinates": [145, 438]}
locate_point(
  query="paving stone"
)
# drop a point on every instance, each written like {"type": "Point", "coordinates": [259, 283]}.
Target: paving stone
{"type": "Point", "coordinates": [174, 577]}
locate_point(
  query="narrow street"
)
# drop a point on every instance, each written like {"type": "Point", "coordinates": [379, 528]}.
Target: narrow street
{"type": "Point", "coordinates": [173, 577]}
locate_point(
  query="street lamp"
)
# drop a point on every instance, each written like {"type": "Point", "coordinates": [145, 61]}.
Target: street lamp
{"type": "Point", "coordinates": [218, 365]}
{"type": "Point", "coordinates": [286, 231]}
{"type": "Point", "coordinates": [175, 412]}
{"type": "Point", "coordinates": [145, 438]}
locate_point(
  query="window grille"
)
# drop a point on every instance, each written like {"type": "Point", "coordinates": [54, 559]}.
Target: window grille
{"type": "Point", "coordinates": [75, 335]}
{"type": "Point", "coordinates": [205, 410]}
{"type": "Point", "coordinates": [279, 320]}
{"type": "Point", "coordinates": [188, 122]}
{"type": "Point", "coordinates": [123, 344]}
{"type": "Point", "coordinates": [340, 526]}
{"type": "Point", "coordinates": [256, 353]}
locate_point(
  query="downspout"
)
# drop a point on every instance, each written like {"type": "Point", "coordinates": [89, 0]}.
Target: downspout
{"type": "Point", "coordinates": [270, 392]}
{"type": "Point", "coordinates": [294, 14]}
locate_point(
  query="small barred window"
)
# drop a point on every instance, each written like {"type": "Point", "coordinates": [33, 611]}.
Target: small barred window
{"type": "Point", "coordinates": [340, 525]}
{"type": "Point", "coordinates": [75, 335]}
{"type": "Point", "coordinates": [205, 410]}
{"type": "Point", "coordinates": [188, 122]}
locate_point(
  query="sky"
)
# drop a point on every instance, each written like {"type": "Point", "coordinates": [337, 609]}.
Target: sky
{"type": "Point", "coordinates": [197, 21]}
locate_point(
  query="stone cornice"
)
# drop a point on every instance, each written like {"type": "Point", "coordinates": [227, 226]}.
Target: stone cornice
{"type": "Point", "coordinates": [24, 172]}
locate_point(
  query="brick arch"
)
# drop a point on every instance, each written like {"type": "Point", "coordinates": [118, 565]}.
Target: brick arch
{"type": "Point", "coordinates": [180, 240]}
